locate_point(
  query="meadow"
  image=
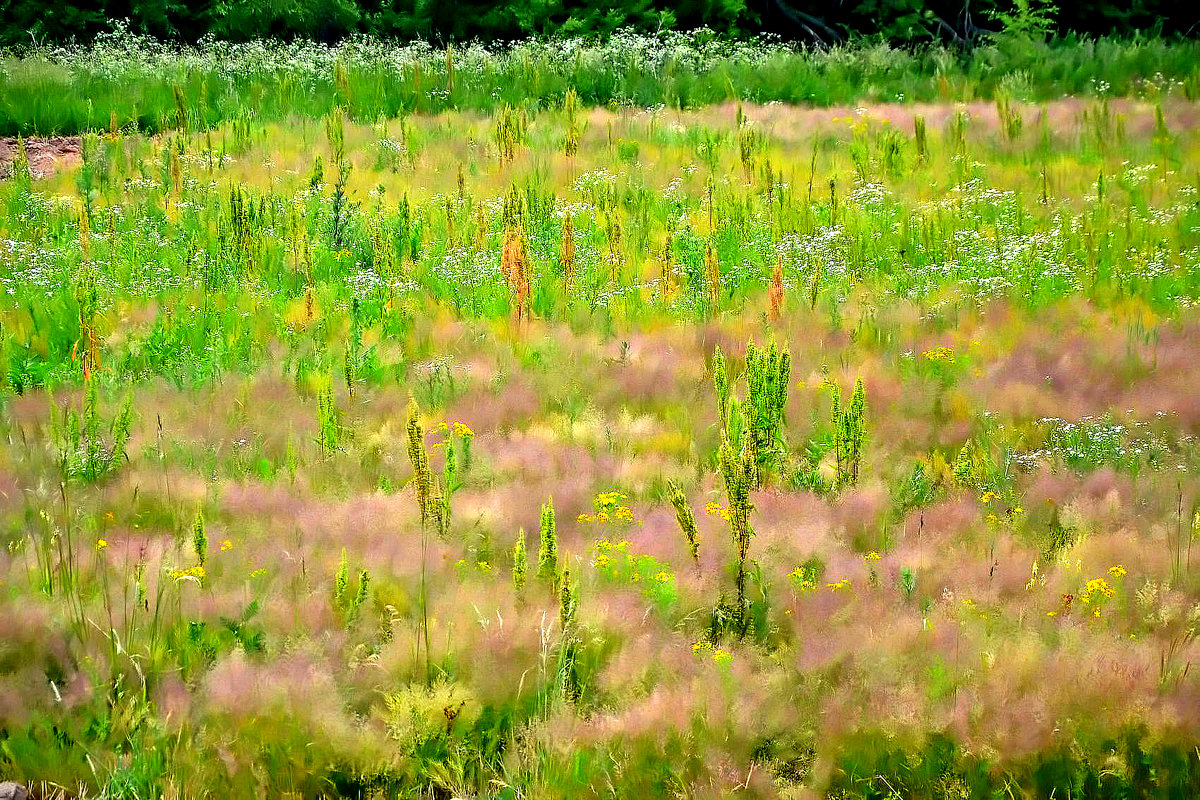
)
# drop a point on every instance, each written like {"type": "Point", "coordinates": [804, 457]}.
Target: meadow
{"type": "Point", "coordinates": [541, 449]}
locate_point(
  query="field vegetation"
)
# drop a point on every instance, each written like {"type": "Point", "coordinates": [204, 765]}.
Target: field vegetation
{"type": "Point", "coordinates": [68, 89]}
{"type": "Point", "coordinates": [368, 437]}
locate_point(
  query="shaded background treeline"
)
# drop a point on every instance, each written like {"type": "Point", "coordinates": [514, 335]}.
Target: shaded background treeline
{"type": "Point", "coordinates": [26, 22]}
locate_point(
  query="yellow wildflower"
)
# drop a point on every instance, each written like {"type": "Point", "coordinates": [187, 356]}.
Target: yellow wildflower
{"type": "Point", "coordinates": [195, 574]}
{"type": "Point", "coordinates": [938, 354]}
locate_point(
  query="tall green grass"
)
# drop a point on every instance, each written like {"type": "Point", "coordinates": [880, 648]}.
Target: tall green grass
{"type": "Point", "coordinates": [61, 90]}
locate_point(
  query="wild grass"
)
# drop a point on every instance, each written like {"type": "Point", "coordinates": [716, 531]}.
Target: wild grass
{"type": "Point", "coordinates": [574, 452]}
{"type": "Point", "coordinates": [143, 84]}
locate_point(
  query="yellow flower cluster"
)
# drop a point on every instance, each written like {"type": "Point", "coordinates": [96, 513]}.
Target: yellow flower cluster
{"type": "Point", "coordinates": [195, 573]}
{"type": "Point", "coordinates": [721, 657]}
{"type": "Point", "coordinates": [993, 518]}
{"type": "Point", "coordinates": [606, 545]}
{"type": "Point", "coordinates": [460, 428]}
{"type": "Point", "coordinates": [1117, 571]}
{"type": "Point", "coordinates": [837, 586]}
{"type": "Point", "coordinates": [802, 580]}
{"type": "Point", "coordinates": [615, 562]}
{"type": "Point", "coordinates": [1096, 591]}
{"type": "Point", "coordinates": [715, 509]}
{"type": "Point", "coordinates": [611, 554]}
{"type": "Point", "coordinates": [939, 355]}
{"type": "Point", "coordinates": [609, 508]}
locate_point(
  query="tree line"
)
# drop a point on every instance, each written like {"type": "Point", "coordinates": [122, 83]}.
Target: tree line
{"type": "Point", "coordinates": [824, 22]}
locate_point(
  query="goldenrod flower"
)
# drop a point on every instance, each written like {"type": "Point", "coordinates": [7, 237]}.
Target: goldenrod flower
{"type": "Point", "coordinates": [195, 574]}
{"type": "Point", "coordinates": [938, 354]}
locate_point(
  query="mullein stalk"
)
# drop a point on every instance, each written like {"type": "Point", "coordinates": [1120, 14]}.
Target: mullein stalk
{"type": "Point", "coordinates": [686, 519]}
{"type": "Point", "coordinates": [428, 500]}
{"type": "Point", "coordinates": [547, 568]}
{"type": "Point", "coordinates": [520, 563]}
{"type": "Point", "coordinates": [200, 537]}
{"type": "Point", "coordinates": [721, 384]}
{"type": "Point", "coordinates": [738, 471]}
{"type": "Point", "coordinates": [568, 600]}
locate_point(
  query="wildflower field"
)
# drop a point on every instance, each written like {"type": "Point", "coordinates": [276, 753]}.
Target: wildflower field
{"type": "Point", "coordinates": [524, 447]}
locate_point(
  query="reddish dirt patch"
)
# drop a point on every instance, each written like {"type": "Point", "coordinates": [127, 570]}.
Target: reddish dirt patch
{"type": "Point", "coordinates": [46, 156]}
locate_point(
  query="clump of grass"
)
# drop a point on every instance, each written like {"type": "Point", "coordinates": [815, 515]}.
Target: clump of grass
{"type": "Point", "coordinates": [82, 449]}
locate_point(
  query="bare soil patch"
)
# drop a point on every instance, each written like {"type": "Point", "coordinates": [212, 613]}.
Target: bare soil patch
{"type": "Point", "coordinates": [47, 156]}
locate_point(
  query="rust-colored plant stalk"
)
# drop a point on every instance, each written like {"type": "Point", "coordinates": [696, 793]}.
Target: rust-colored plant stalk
{"type": "Point", "coordinates": [712, 269]}
{"type": "Point", "coordinates": [568, 252]}
{"type": "Point", "coordinates": [776, 292]}
{"type": "Point", "coordinates": [514, 264]}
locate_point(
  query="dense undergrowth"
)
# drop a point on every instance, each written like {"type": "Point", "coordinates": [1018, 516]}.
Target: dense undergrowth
{"type": "Point", "coordinates": [562, 452]}
{"type": "Point", "coordinates": [66, 90]}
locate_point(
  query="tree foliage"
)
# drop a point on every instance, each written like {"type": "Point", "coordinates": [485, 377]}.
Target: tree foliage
{"type": "Point", "coordinates": [25, 22]}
